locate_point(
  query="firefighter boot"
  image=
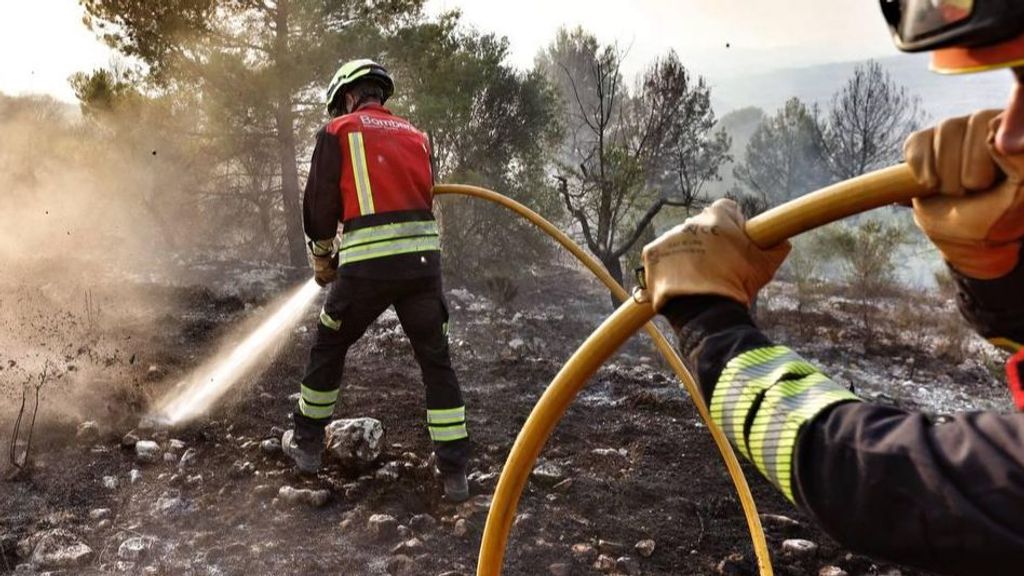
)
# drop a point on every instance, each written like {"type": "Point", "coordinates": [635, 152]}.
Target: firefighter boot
{"type": "Point", "coordinates": [456, 487]}
{"type": "Point", "coordinates": [307, 457]}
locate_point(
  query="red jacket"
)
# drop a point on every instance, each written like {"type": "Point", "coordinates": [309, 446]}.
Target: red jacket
{"type": "Point", "coordinates": [371, 171]}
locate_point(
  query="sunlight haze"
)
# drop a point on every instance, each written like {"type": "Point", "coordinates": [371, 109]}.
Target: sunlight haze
{"type": "Point", "coordinates": [44, 41]}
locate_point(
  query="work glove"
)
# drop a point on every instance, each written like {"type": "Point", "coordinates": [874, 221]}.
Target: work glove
{"type": "Point", "coordinates": [977, 220]}
{"type": "Point", "coordinates": [709, 254]}
{"type": "Point", "coordinates": [325, 261]}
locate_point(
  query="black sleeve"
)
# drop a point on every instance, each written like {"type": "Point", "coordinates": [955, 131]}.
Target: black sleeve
{"type": "Point", "coordinates": [882, 481]}
{"type": "Point", "coordinates": [712, 330]}
{"type": "Point", "coordinates": [995, 308]}
{"type": "Point", "coordinates": [893, 484]}
{"type": "Point", "coordinates": [321, 202]}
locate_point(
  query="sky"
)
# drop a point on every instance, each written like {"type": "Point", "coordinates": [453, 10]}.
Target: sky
{"type": "Point", "coordinates": [715, 37]}
{"type": "Point", "coordinates": [43, 41]}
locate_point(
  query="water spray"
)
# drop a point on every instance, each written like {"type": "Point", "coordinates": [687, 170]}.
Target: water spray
{"type": "Point", "coordinates": [200, 390]}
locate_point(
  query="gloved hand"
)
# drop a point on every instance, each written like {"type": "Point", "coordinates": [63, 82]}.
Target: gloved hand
{"type": "Point", "coordinates": [977, 221]}
{"type": "Point", "coordinates": [325, 261]}
{"type": "Point", "coordinates": [709, 254]}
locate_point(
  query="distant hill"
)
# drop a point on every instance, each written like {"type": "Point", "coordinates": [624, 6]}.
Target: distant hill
{"type": "Point", "coordinates": [941, 96]}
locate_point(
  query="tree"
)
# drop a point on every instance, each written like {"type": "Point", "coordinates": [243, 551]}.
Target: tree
{"type": "Point", "coordinates": [490, 125]}
{"type": "Point", "coordinates": [627, 154]}
{"type": "Point", "coordinates": [867, 251]}
{"type": "Point", "coordinates": [784, 158]}
{"type": "Point", "coordinates": [261, 60]}
{"type": "Point", "coordinates": [867, 122]}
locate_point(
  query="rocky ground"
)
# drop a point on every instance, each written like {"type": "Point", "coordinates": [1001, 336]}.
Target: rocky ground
{"type": "Point", "coordinates": [630, 482]}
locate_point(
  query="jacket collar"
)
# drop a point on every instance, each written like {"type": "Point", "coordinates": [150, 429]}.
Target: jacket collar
{"type": "Point", "coordinates": [372, 106]}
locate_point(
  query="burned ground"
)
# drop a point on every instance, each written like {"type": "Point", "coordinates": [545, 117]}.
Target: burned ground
{"type": "Point", "coordinates": [630, 462]}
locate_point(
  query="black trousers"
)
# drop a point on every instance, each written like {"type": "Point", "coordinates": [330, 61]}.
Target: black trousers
{"type": "Point", "coordinates": [352, 305]}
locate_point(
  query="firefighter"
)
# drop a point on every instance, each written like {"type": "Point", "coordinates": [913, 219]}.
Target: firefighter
{"type": "Point", "coordinates": [885, 482]}
{"type": "Point", "coordinates": [371, 172]}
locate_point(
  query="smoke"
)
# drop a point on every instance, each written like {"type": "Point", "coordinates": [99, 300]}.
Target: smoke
{"type": "Point", "coordinates": [238, 356]}
{"type": "Point", "coordinates": [81, 244]}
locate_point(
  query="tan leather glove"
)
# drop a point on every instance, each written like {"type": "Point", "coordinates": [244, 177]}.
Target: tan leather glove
{"type": "Point", "coordinates": [977, 221]}
{"type": "Point", "coordinates": [325, 261]}
{"type": "Point", "coordinates": [709, 254]}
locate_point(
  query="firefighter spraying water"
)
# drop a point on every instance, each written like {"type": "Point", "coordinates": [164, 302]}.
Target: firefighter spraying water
{"type": "Point", "coordinates": [201, 389]}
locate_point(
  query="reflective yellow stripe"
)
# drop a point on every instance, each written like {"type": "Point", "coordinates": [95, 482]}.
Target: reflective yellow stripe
{"type": "Point", "coordinates": [743, 381]}
{"type": "Point", "coordinates": [1006, 344]}
{"type": "Point", "coordinates": [446, 416]}
{"type": "Point", "coordinates": [384, 232]}
{"type": "Point", "coordinates": [389, 248]}
{"type": "Point", "coordinates": [787, 407]}
{"type": "Point", "coordinates": [312, 411]}
{"type": "Point", "coordinates": [329, 322]}
{"type": "Point", "coordinates": [360, 173]}
{"type": "Point", "coordinates": [448, 433]}
{"type": "Point", "coordinates": [758, 387]}
{"type": "Point", "coordinates": [319, 396]}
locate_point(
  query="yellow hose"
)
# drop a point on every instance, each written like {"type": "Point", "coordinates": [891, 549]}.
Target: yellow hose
{"type": "Point", "coordinates": [667, 352]}
{"type": "Point", "coordinates": [892, 185]}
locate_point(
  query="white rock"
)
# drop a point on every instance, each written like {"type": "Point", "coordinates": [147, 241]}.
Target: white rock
{"type": "Point", "coordinates": [170, 457]}
{"type": "Point", "coordinates": [188, 458]}
{"type": "Point", "coordinates": [171, 505]}
{"type": "Point", "coordinates": [355, 439]}
{"type": "Point", "coordinates": [147, 451]}
{"type": "Point", "coordinates": [271, 446]}
{"type": "Point", "coordinates": [549, 472]}
{"type": "Point", "coordinates": [583, 552]}
{"type": "Point", "coordinates": [605, 563]}
{"type": "Point", "coordinates": [135, 475]}
{"type": "Point", "coordinates": [382, 525]}
{"type": "Point", "coordinates": [88, 432]}
{"type": "Point", "coordinates": [110, 482]}
{"type": "Point", "coordinates": [799, 547]}
{"type": "Point", "coordinates": [832, 571]}
{"type": "Point", "coordinates": [175, 445]}
{"type": "Point", "coordinates": [560, 569]}
{"type": "Point", "coordinates": [645, 548]}
{"type": "Point", "coordinates": [627, 565]}
{"type": "Point", "coordinates": [134, 548]}
{"type": "Point", "coordinates": [314, 498]}
{"type": "Point", "coordinates": [59, 548]}
{"type": "Point", "coordinates": [99, 513]}
{"type": "Point", "coordinates": [388, 472]}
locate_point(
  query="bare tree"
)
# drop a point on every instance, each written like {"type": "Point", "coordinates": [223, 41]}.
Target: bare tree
{"type": "Point", "coordinates": [784, 158]}
{"type": "Point", "coordinates": [626, 155]}
{"type": "Point", "coordinates": [867, 122]}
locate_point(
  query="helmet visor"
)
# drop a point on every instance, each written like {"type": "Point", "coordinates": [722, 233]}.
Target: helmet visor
{"type": "Point", "coordinates": [919, 25]}
{"type": "Point", "coordinates": [927, 18]}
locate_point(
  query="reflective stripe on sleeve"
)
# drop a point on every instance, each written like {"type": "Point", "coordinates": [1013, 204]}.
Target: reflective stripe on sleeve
{"type": "Point", "coordinates": [360, 174]}
{"type": "Point", "coordinates": [762, 401]}
{"type": "Point", "coordinates": [329, 322]}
